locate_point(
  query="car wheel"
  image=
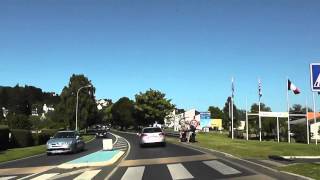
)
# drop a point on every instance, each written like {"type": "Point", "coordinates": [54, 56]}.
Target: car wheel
{"type": "Point", "coordinates": [49, 154]}
{"type": "Point", "coordinates": [164, 144]}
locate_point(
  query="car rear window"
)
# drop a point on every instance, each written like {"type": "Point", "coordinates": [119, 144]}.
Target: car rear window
{"type": "Point", "coordinates": [152, 130]}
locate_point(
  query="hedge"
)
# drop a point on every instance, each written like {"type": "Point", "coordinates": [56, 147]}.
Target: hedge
{"type": "Point", "coordinates": [43, 136]}
{"type": "Point", "coordinates": [21, 138]}
{"type": "Point", "coordinates": [4, 138]}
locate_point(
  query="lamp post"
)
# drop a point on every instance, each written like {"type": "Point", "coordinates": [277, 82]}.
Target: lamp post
{"type": "Point", "coordinates": [87, 86]}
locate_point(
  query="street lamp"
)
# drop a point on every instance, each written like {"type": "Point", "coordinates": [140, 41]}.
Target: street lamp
{"type": "Point", "coordinates": [87, 86]}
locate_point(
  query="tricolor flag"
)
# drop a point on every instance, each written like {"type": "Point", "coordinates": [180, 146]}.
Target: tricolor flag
{"type": "Point", "coordinates": [293, 88]}
{"type": "Point", "coordinates": [259, 88]}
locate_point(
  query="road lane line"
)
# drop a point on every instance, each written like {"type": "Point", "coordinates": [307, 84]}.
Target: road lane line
{"type": "Point", "coordinates": [45, 176]}
{"type": "Point", "coordinates": [125, 156]}
{"type": "Point", "coordinates": [168, 160]}
{"type": "Point", "coordinates": [87, 175]}
{"type": "Point", "coordinates": [178, 171]}
{"type": "Point", "coordinates": [7, 178]}
{"type": "Point", "coordinates": [222, 168]}
{"type": "Point", "coordinates": [133, 173]}
{"type": "Point", "coordinates": [25, 170]}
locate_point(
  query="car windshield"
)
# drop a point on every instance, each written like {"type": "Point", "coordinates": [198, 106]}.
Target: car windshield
{"type": "Point", "coordinates": [65, 135]}
{"type": "Point", "coordinates": [152, 130]}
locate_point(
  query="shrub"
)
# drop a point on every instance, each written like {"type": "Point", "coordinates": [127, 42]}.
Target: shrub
{"type": "Point", "coordinates": [45, 135]}
{"type": "Point", "coordinates": [4, 137]}
{"type": "Point", "coordinates": [21, 138]}
{"type": "Point", "coordinates": [19, 121]}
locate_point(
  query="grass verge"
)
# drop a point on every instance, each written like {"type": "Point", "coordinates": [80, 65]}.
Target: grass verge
{"type": "Point", "coordinates": [254, 149]}
{"type": "Point", "coordinates": [18, 153]}
{"type": "Point", "coordinates": [311, 170]}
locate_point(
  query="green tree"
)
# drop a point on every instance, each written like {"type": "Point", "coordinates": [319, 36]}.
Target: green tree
{"type": "Point", "coordinates": [123, 113]}
{"type": "Point", "coordinates": [268, 124]}
{"type": "Point", "coordinates": [226, 121]}
{"type": "Point", "coordinates": [152, 106]}
{"type": "Point", "coordinates": [215, 112]}
{"type": "Point", "coordinates": [87, 110]}
{"type": "Point", "coordinates": [18, 121]}
{"type": "Point", "coordinates": [107, 115]}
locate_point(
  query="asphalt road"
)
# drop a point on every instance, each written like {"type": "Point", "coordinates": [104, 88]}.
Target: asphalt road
{"type": "Point", "coordinates": [183, 162]}
{"type": "Point", "coordinates": [155, 163]}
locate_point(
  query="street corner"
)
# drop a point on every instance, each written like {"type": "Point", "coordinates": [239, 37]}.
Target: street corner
{"type": "Point", "coordinates": [97, 159]}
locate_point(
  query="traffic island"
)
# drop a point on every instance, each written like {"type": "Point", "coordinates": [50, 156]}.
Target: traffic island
{"type": "Point", "coordinates": [99, 158]}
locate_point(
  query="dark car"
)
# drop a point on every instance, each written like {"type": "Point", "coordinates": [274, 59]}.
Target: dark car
{"type": "Point", "coordinates": [101, 133]}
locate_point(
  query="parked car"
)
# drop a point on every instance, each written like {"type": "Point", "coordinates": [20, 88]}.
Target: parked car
{"type": "Point", "coordinates": [101, 133]}
{"type": "Point", "coordinates": [65, 142]}
{"type": "Point", "coordinates": [152, 135]}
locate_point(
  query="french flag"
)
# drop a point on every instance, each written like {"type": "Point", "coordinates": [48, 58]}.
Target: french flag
{"type": "Point", "coordinates": [293, 88]}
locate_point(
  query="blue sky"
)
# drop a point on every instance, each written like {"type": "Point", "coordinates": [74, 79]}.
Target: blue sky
{"type": "Point", "coordinates": [187, 49]}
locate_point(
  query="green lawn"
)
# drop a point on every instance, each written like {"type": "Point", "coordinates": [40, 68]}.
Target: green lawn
{"type": "Point", "coordinates": [307, 169]}
{"type": "Point", "coordinates": [254, 149]}
{"type": "Point", "coordinates": [18, 153]}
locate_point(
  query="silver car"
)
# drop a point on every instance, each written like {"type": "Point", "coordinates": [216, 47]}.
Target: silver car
{"type": "Point", "coordinates": [152, 135]}
{"type": "Point", "coordinates": [65, 142]}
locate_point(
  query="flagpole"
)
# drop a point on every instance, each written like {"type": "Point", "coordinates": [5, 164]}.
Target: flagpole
{"type": "Point", "coordinates": [308, 139]}
{"type": "Point", "coordinates": [314, 114]}
{"type": "Point", "coordinates": [288, 108]}
{"type": "Point", "coordinates": [259, 116]}
{"type": "Point", "coordinates": [232, 135]}
{"type": "Point", "coordinates": [247, 123]}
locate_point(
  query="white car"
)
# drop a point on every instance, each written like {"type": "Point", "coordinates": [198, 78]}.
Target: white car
{"type": "Point", "coordinates": [152, 135]}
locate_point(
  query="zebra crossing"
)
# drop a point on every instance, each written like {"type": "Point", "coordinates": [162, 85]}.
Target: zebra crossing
{"type": "Point", "coordinates": [121, 144]}
{"type": "Point", "coordinates": [174, 171]}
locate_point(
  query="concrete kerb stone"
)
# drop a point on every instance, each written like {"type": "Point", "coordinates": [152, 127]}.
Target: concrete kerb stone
{"type": "Point", "coordinates": [70, 165]}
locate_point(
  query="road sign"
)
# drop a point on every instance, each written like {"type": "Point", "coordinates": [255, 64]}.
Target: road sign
{"type": "Point", "coordinates": [315, 76]}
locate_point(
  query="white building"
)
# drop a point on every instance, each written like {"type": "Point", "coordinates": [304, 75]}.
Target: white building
{"type": "Point", "coordinates": [101, 103]}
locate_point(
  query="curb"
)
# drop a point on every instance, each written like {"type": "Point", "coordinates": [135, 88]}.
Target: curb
{"type": "Point", "coordinates": [92, 164]}
{"type": "Point", "coordinates": [300, 157]}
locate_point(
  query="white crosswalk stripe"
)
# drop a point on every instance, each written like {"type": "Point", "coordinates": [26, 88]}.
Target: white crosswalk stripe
{"type": "Point", "coordinates": [45, 176]}
{"type": "Point", "coordinates": [7, 178]}
{"type": "Point", "coordinates": [87, 175]}
{"type": "Point", "coordinates": [133, 173]}
{"type": "Point", "coordinates": [178, 171]}
{"type": "Point", "coordinates": [222, 168]}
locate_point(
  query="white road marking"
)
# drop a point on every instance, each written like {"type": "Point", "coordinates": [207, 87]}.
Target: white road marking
{"type": "Point", "coordinates": [222, 168]}
{"type": "Point", "coordinates": [133, 173]}
{"type": "Point", "coordinates": [178, 171]}
{"type": "Point", "coordinates": [87, 175]}
{"type": "Point", "coordinates": [7, 177]}
{"type": "Point", "coordinates": [45, 176]}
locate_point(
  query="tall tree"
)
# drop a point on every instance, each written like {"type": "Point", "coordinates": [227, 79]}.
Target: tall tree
{"type": "Point", "coordinates": [215, 112]}
{"type": "Point", "coordinates": [152, 106]}
{"type": "Point", "coordinates": [87, 109]}
{"type": "Point", "coordinates": [123, 113]}
{"type": "Point", "coordinates": [226, 121]}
